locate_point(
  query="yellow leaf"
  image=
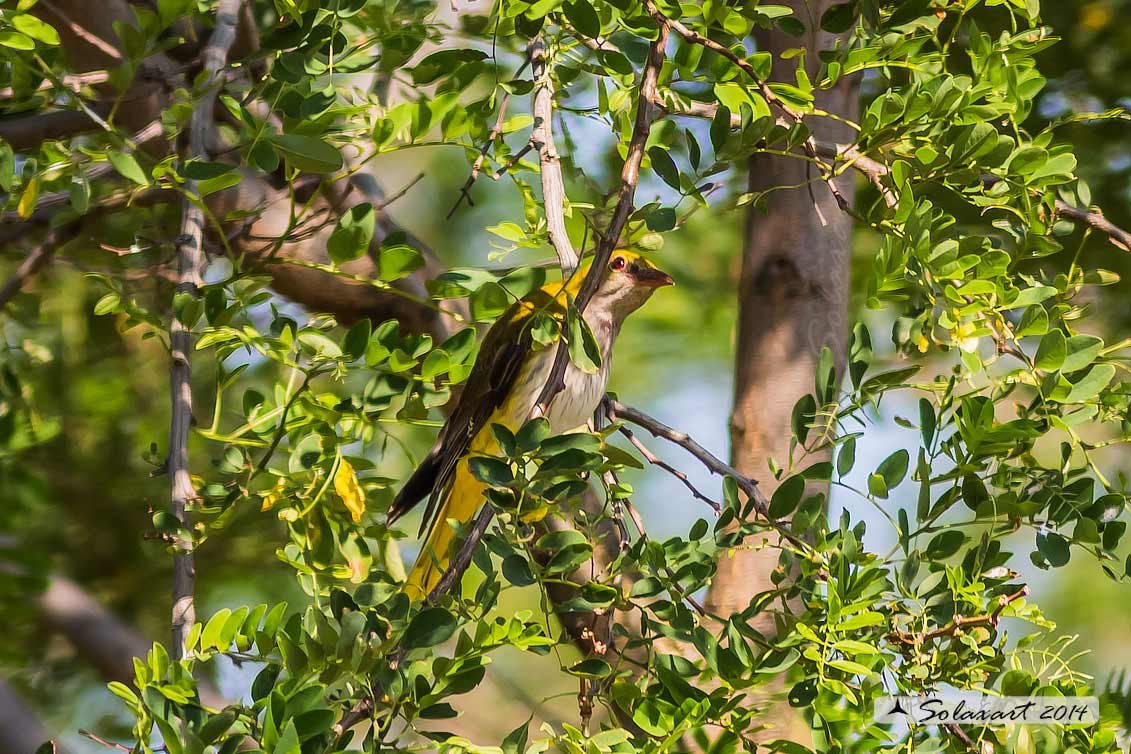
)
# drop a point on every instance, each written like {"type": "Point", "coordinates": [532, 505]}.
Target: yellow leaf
{"type": "Point", "coordinates": [27, 200]}
{"type": "Point", "coordinates": [345, 484]}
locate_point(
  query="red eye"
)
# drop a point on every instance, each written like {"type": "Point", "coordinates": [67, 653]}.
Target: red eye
{"type": "Point", "coordinates": [618, 263]}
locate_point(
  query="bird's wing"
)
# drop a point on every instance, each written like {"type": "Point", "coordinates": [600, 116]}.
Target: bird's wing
{"type": "Point", "coordinates": [501, 356]}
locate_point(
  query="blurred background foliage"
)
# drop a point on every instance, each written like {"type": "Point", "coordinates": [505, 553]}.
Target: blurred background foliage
{"type": "Point", "coordinates": [77, 487]}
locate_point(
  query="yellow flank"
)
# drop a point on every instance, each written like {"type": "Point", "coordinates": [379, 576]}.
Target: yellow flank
{"type": "Point", "coordinates": [461, 504]}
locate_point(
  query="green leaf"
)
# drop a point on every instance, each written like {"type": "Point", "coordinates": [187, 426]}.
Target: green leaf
{"type": "Point", "coordinates": [974, 491]}
{"type": "Point", "coordinates": [35, 28]}
{"type": "Point", "coordinates": [559, 540]}
{"type": "Point", "coordinates": [319, 343]}
{"type": "Point", "coordinates": [307, 153]}
{"type": "Point", "coordinates": [107, 304]}
{"type": "Point", "coordinates": [583, 349]}
{"type": "Point", "coordinates": [1081, 350]}
{"type": "Point", "coordinates": [16, 40]}
{"type": "Point", "coordinates": [664, 166]}
{"type": "Point", "coordinates": [804, 412]}
{"type": "Point", "coordinates": [1054, 548]}
{"type": "Point", "coordinates": [126, 164]}
{"type": "Point", "coordinates": [838, 18]}
{"type": "Point", "coordinates": [515, 742]}
{"type": "Point", "coordinates": [584, 18]}
{"type": "Point", "coordinates": [826, 376]}
{"type": "Point", "coordinates": [787, 497]}
{"type": "Point", "coordinates": [1051, 351]}
{"type": "Point", "coordinates": [927, 421]}
{"type": "Point", "coordinates": [444, 61]}
{"type": "Point", "coordinates": [211, 636]}
{"type": "Point", "coordinates": [429, 627]}
{"type": "Point", "coordinates": [846, 458]}
{"type": "Point", "coordinates": [199, 170]}
{"type": "Point", "coordinates": [1035, 321]}
{"type": "Point", "coordinates": [489, 301]}
{"type": "Point", "coordinates": [491, 471]}
{"type": "Point", "coordinates": [889, 473]}
{"type": "Point", "coordinates": [398, 260]}
{"type": "Point", "coordinates": [592, 667]}
{"type": "Point", "coordinates": [353, 234]}
{"type": "Point", "coordinates": [946, 544]}
{"type": "Point", "coordinates": [660, 219]}
{"type": "Point", "coordinates": [1090, 385]}
{"type": "Point", "coordinates": [1059, 169]}
{"type": "Point", "coordinates": [516, 570]}
{"type": "Point", "coordinates": [288, 742]}
{"type": "Point", "coordinates": [720, 128]}
{"type": "Point", "coordinates": [532, 434]}
{"type": "Point", "coordinates": [802, 694]}
{"type": "Point", "coordinates": [356, 341]}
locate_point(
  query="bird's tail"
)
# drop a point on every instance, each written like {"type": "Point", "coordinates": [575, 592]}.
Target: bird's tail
{"type": "Point", "coordinates": [462, 501]}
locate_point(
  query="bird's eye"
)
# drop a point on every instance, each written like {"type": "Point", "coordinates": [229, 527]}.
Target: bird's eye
{"type": "Point", "coordinates": [617, 264]}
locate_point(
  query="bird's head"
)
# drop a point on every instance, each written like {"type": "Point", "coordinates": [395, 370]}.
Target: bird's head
{"type": "Point", "coordinates": [628, 281]}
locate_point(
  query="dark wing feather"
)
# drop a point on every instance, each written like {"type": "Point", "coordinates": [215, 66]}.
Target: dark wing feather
{"type": "Point", "coordinates": [500, 359]}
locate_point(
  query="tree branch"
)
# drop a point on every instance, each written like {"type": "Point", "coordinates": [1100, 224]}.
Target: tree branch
{"type": "Point", "coordinates": [630, 175]}
{"type": "Point", "coordinates": [462, 559]}
{"type": "Point", "coordinates": [21, 731]}
{"type": "Point", "coordinates": [98, 637]}
{"type": "Point", "coordinates": [1096, 219]}
{"type": "Point", "coordinates": [46, 205]}
{"type": "Point", "coordinates": [28, 131]}
{"type": "Point", "coordinates": [875, 171]}
{"type": "Point", "coordinates": [764, 89]}
{"type": "Point", "coordinates": [542, 137]}
{"type": "Point", "coordinates": [40, 255]}
{"type": "Point", "coordinates": [190, 266]}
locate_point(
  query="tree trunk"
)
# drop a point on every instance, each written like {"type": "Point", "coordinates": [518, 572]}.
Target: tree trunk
{"type": "Point", "coordinates": [793, 301]}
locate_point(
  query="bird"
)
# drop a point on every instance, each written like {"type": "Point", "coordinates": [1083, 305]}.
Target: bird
{"type": "Point", "coordinates": [503, 387]}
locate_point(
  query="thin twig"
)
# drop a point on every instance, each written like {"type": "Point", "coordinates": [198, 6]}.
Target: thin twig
{"type": "Point", "coordinates": [190, 267]}
{"type": "Point", "coordinates": [477, 166]}
{"type": "Point", "coordinates": [398, 194]}
{"type": "Point", "coordinates": [72, 81]}
{"type": "Point", "coordinates": [82, 32]}
{"type": "Point", "coordinates": [281, 432]}
{"type": "Point", "coordinates": [100, 740]}
{"type": "Point", "coordinates": [514, 160]}
{"type": "Point", "coordinates": [655, 460]}
{"type": "Point", "coordinates": [677, 590]}
{"type": "Point", "coordinates": [960, 621]}
{"type": "Point", "coordinates": [1118, 236]}
{"type": "Point", "coordinates": [462, 559]}
{"type": "Point", "coordinates": [875, 171]}
{"type": "Point", "coordinates": [618, 410]}
{"type": "Point", "coordinates": [956, 730]}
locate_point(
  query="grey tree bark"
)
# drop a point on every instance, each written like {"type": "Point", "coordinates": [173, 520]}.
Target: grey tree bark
{"type": "Point", "coordinates": [20, 730]}
{"type": "Point", "coordinates": [793, 301]}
